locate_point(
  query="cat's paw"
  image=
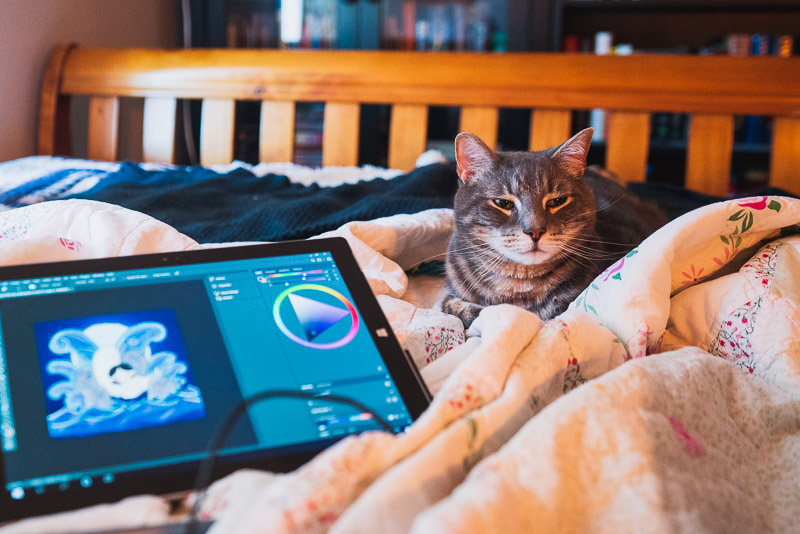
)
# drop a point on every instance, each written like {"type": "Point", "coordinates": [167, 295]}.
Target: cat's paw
{"type": "Point", "coordinates": [466, 311]}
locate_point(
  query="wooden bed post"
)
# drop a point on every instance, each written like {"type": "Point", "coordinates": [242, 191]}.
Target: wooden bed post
{"type": "Point", "coordinates": [785, 161]}
{"type": "Point", "coordinates": [481, 121]}
{"type": "Point", "coordinates": [54, 134]}
{"type": "Point", "coordinates": [709, 152]}
{"type": "Point", "coordinates": [549, 128]}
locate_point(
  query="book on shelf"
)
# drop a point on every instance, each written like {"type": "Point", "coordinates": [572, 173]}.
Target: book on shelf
{"type": "Point", "coordinates": [285, 23]}
{"type": "Point", "coordinates": [438, 25]}
{"type": "Point", "coordinates": [603, 43]}
{"type": "Point", "coordinates": [257, 28]}
{"type": "Point", "coordinates": [668, 129]}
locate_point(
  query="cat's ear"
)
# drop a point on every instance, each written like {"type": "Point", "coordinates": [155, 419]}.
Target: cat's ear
{"type": "Point", "coordinates": [472, 156]}
{"type": "Point", "coordinates": [572, 154]}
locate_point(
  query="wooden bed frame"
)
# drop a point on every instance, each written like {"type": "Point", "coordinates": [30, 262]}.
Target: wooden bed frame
{"type": "Point", "coordinates": [711, 89]}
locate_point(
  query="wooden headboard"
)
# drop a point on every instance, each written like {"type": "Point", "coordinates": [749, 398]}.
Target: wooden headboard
{"type": "Point", "coordinates": [711, 89]}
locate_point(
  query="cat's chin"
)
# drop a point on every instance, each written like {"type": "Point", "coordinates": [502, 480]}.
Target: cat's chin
{"type": "Point", "coordinates": [534, 257]}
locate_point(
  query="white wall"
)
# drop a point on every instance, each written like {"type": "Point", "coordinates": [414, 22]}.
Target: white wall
{"type": "Point", "coordinates": [30, 28]}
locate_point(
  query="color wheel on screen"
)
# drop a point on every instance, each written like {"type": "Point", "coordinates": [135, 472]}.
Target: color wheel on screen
{"type": "Point", "coordinates": [315, 316]}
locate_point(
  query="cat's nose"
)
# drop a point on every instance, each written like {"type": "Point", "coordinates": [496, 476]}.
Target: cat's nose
{"type": "Point", "coordinates": [535, 233]}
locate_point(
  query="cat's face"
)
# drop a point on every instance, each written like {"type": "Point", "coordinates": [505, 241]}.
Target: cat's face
{"type": "Point", "coordinates": [528, 207]}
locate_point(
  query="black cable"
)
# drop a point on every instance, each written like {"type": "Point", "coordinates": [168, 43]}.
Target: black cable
{"type": "Point", "coordinates": [203, 479]}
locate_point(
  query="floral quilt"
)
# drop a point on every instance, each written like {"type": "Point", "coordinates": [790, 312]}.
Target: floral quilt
{"type": "Point", "coordinates": [666, 398]}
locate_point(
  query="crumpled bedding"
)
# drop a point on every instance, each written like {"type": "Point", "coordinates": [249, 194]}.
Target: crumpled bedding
{"type": "Point", "coordinates": [666, 398]}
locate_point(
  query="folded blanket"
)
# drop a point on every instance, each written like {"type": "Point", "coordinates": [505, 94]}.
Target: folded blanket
{"type": "Point", "coordinates": [239, 206]}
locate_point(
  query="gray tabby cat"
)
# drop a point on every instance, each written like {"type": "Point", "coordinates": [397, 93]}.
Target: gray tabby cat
{"type": "Point", "coordinates": [533, 229]}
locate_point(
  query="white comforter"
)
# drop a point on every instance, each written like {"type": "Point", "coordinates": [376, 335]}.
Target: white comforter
{"type": "Point", "coordinates": [702, 437]}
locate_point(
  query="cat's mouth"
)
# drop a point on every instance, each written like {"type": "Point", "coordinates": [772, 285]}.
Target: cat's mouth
{"type": "Point", "coordinates": [523, 251]}
{"type": "Point", "coordinates": [534, 254]}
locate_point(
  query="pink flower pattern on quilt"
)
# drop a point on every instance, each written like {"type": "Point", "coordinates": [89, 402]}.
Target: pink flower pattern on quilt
{"type": "Point", "coordinates": [439, 340]}
{"type": "Point", "coordinates": [691, 445]}
{"type": "Point", "coordinates": [573, 377]}
{"type": "Point", "coordinates": [692, 277]}
{"type": "Point", "coordinates": [763, 265]}
{"type": "Point", "coordinates": [464, 397]}
{"type": "Point", "coordinates": [70, 244]}
{"type": "Point", "coordinates": [637, 346]}
{"type": "Point", "coordinates": [733, 339]}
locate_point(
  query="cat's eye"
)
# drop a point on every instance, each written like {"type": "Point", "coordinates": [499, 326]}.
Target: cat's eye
{"type": "Point", "coordinates": [556, 202]}
{"type": "Point", "coordinates": [503, 203]}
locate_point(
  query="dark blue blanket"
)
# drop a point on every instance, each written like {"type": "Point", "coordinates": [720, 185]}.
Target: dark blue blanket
{"type": "Point", "coordinates": [238, 206]}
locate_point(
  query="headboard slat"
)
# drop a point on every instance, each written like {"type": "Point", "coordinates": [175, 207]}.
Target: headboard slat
{"type": "Point", "coordinates": [276, 131]}
{"type": "Point", "coordinates": [709, 153]}
{"type": "Point", "coordinates": [628, 143]}
{"type": "Point", "coordinates": [216, 131]}
{"type": "Point", "coordinates": [340, 134]}
{"type": "Point", "coordinates": [158, 136]}
{"type": "Point", "coordinates": [54, 134]}
{"type": "Point", "coordinates": [785, 164]}
{"type": "Point", "coordinates": [481, 121]}
{"type": "Point", "coordinates": [407, 134]}
{"type": "Point", "coordinates": [549, 128]}
{"type": "Point", "coordinates": [103, 142]}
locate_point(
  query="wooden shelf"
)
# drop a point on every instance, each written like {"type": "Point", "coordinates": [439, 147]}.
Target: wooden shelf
{"type": "Point", "coordinates": [673, 5]}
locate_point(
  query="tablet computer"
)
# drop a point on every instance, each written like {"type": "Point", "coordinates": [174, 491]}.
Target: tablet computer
{"type": "Point", "coordinates": [116, 372]}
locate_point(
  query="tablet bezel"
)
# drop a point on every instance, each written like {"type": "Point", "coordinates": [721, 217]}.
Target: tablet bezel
{"type": "Point", "coordinates": [181, 477]}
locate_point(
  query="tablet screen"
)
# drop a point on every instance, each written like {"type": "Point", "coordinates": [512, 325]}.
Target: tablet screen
{"type": "Point", "coordinates": [114, 374]}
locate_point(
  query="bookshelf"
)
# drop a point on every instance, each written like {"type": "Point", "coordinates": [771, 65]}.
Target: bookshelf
{"type": "Point", "coordinates": [650, 26]}
{"type": "Point", "coordinates": [440, 25]}
{"type": "Point", "coordinates": [688, 26]}
{"type": "Point", "coordinates": [740, 27]}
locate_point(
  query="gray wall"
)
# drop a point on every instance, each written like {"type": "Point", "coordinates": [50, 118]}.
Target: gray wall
{"type": "Point", "coordinates": [30, 28]}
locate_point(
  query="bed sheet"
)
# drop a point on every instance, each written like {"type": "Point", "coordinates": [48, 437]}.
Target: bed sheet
{"type": "Point", "coordinates": [632, 408]}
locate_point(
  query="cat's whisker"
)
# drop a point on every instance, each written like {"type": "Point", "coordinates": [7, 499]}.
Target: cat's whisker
{"type": "Point", "coordinates": [569, 240]}
{"type": "Point", "coordinates": [487, 267]}
{"type": "Point", "coordinates": [477, 245]}
{"type": "Point", "coordinates": [469, 248]}
{"type": "Point", "coordinates": [592, 257]}
{"type": "Point", "coordinates": [590, 253]}
{"type": "Point", "coordinates": [610, 203]}
{"type": "Point", "coordinates": [579, 259]}
{"type": "Point", "coordinates": [602, 241]}
{"type": "Point", "coordinates": [486, 270]}
{"type": "Point", "coordinates": [441, 255]}
{"type": "Point", "coordinates": [590, 248]}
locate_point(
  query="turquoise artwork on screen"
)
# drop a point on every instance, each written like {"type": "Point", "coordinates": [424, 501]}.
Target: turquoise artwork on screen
{"type": "Point", "coordinates": [115, 373]}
